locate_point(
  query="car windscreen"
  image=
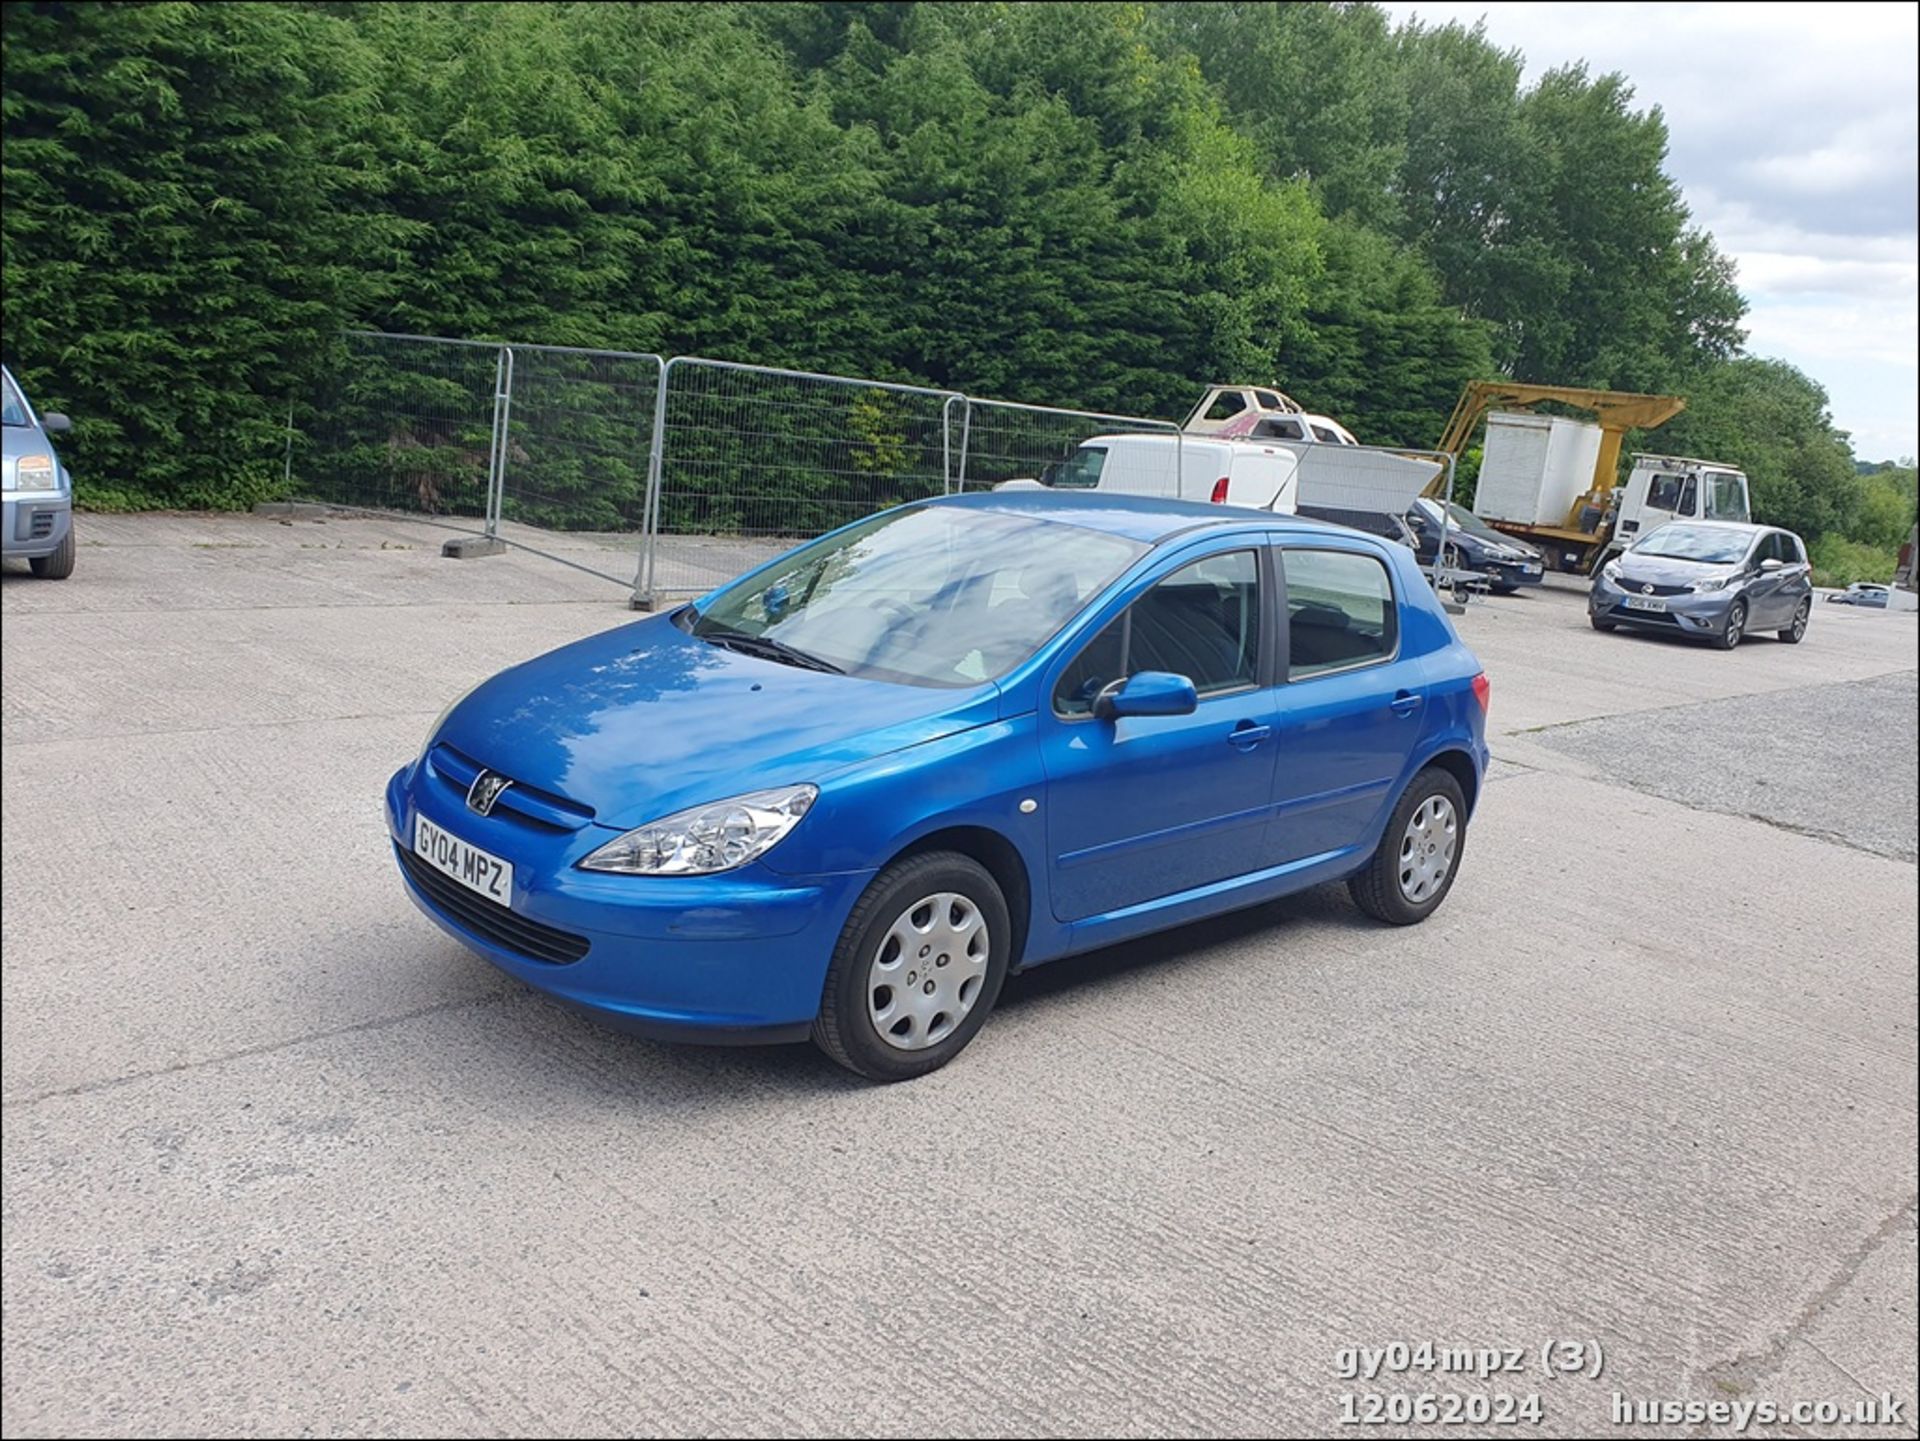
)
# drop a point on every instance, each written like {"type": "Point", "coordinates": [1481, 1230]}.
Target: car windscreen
{"type": "Point", "coordinates": [1460, 518]}
{"type": "Point", "coordinates": [1707, 544]}
{"type": "Point", "coordinates": [932, 595]}
{"type": "Point", "coordinates": [13, 410]}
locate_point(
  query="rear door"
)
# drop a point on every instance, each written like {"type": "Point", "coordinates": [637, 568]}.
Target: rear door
{"type": "Point", "coordinates": [1351, 705]}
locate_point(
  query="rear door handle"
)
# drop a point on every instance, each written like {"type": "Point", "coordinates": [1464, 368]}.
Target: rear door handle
{"type": "Point", "coordinates": [1405, 703]}
{"type": "Point", "coordinates": [1249, 734]}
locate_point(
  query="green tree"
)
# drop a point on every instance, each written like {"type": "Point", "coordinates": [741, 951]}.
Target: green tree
{"type": "Point", "coordinates": [173, 236]}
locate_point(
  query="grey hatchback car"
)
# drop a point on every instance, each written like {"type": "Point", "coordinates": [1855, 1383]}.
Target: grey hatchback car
{"type": "Point", "coordinates": [1713, 579]}
{"type": "Point", "coordinates": [36, 515]}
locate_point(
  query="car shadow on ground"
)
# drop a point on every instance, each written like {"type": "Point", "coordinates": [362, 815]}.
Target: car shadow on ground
{"type": "Point", "coordinates": [673, 1075]}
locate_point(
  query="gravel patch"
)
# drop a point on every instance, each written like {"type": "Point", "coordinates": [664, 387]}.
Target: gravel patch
{"type": "Point", "coordinates": [1836, 761]}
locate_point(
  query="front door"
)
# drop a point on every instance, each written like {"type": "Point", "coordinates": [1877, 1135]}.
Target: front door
{"type": "Point", "coordinates": [1351, 709]}
{"type": "Point", "coordinates": [1144, 807]}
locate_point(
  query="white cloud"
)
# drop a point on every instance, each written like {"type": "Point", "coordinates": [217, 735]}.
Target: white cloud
{"type": "Point", "coordinates": [1795, 136]}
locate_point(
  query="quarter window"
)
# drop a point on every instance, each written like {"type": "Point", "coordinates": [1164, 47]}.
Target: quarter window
{"type": "Point", "coordinates": [1202, 622]}
{"type": "Point", "coordinates": [1340, 611]}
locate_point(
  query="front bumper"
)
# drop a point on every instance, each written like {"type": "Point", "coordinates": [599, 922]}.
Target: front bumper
{"type": "Point", "coordinates": [1702, 613]}
{"type": "Point", "coordinates": [33, 523]}
{"type": "Point", "coordinates": [733, 958]}
{"type": "Point", "coordinates": [1515, 572]}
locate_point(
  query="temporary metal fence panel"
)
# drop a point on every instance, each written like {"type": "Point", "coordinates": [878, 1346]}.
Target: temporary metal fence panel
{"type": "Point", "coordinates": [572, 479]}
{"type": "Point", "coordinates": [407, 425]}
{"type": "Point", "coordinates": [1003, 441]}
{"type": "Point", "coordinates": [749, 459]}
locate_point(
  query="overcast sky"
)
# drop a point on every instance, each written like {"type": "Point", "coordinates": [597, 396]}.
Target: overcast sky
{"type": "Point", "coordinates": [1793, 133]}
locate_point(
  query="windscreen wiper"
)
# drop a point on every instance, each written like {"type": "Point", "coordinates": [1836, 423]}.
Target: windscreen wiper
{"type": "Point", "coordinates": [767, 648]}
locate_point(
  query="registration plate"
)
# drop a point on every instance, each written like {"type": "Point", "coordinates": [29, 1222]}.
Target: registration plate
{"type": "Point", "coordinates": [477, 870]}
{"type": "Point", "coordinates": [1530, 570]}
{"type": "Point", "coordinates": [1645, 602]}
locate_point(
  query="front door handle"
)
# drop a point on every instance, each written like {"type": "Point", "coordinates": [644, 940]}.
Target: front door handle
{"type": "Point", "coordinates": [1405, 703]}
{"type": "Point", "coordinates": [1248, 734]}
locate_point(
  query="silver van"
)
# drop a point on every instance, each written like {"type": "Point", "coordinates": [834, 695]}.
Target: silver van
{"type": "Point", "coordinates": [38, 507]}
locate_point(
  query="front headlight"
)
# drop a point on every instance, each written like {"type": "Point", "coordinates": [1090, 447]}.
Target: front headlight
{"type": "Point", "coordinates": [34, 472]}
{"type": "Point", "coordinates": [1718, 583]}
{"type": "Point", "coordinates": [1611, 570]}
{"type": "Point", "coordinates": [707, 839]}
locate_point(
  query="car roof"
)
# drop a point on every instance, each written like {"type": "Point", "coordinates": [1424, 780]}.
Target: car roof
{"type": "Point", "coordinates": [1146, 518]}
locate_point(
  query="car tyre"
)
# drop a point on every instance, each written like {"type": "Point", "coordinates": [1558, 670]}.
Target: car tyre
{"type": "Point", "coordinates": [1736, 627]}
{"type": "Point", "coordinates": [1400, 885]}
{"type": "Point", "coordinates": [849, 1027]}
{"type": "Point", "coordinates": [57, 566]}
{"type": "Point", "coordinates": [1797, 632]}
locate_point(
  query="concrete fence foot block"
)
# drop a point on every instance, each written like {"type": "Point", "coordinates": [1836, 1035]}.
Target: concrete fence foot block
{"type": "Point", "coordinates": [470, 547]}
{"type": "Point", "coordinates": [302, 508]}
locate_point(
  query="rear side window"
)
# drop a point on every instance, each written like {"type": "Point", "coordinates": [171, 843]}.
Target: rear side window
{"type": "Point", "coordinates": [1340, 611]}
{"type": "Point", "coordinates": [1268, 400]}
{"type": "Point", "coordinates": [1322, 433]}
{"type": "Point", "coordinates": [1202, 622]}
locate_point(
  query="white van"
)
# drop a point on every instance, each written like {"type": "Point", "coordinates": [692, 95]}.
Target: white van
{"type": "Point", "coordinates": [1225, 472]}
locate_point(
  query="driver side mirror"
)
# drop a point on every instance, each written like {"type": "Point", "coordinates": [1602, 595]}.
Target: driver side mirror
{"type": "Point", "coordinates": [54, 423]}
{"type": "Point", "coordinates": [1150, 692]}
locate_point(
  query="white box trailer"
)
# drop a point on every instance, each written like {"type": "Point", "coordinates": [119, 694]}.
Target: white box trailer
{"type": "Point", "coordinates": [1534, 467]}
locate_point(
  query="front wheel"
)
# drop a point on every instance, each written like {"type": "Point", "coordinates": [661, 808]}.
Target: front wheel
{"type": "Point", "coordinates": [917, 968]}
{"type": "Point", "coordinates": [1413, 867]}
{"type": "Point", "coordinates": [1736, 627]}
{"type": "Point", "coordinates": [1797, 632]}
{"type": "Point", "coordinates": [57, 566]}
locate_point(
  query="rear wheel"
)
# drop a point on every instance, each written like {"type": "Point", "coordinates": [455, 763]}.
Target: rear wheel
{"type": "Point", "coordinates": [917, 968]}
{"type": "Point", "coordinates": [1797, 632]}
{"type": "Point", "coordinates": [1413, 868]}
{"type": "Point", "coordinates": [57, 566]}
{"type": "Point", "coordinates": [1736, 627]}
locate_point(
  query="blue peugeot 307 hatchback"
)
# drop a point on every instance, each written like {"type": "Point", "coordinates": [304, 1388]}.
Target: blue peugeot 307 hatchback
{"type": "Point", "coordinates": [848, 793]}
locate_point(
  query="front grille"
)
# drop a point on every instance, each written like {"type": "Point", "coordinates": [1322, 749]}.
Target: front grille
{"type": "Point", "coordinates": [491, 920]}
{"type": "Point", "coordinates": [42, 525]}
{"type": "Point", "coordinates": [1646, 617]}
{"type": "Point", "coordinates": [1640, 587]}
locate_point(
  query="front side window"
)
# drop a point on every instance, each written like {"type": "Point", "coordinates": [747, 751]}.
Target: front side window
{"type": "Point", "coordinates": [1663, 491]}
{"type": "Point", "coordinates": [1226, 405]}
{"type": "Point", "coordinates": [1321, 432]}
{"type": "Point", "coordinates": [1279, 430]}
{"type": "Point", "coordinates": [1726, 497]}
{"type": "Point", "coordinates": [1688, 498]}
{"type": "Point", "coordinates": [1202, 622]}
{"type": "Point", "coordinates": [1080, 471]}
{"type": "Point", "coordinates": [935, 595]}
{"type": "Point", "coordinates": [1268, 400]}
{"type": "Point", "coordinates": [1340, 611]}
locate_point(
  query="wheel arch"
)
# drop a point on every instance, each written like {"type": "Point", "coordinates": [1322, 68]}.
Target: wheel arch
{"type": "Point", "coordinates": [1002, 860]}
{"type": "Point", "coordinates": [1458, 764]}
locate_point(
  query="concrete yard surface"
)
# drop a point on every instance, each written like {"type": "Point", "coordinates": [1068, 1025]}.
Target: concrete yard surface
{"type": "Point", "coordinates": [281, 1158]}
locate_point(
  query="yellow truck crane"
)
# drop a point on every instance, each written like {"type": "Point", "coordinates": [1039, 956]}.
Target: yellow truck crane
{"type": "Point", "coordinates": [1555, 483]}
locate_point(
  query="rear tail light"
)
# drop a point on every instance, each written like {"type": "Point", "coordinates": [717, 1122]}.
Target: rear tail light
{"type": "Point", "coordinates": [1220, 491]}
{"type": "Point", "coordinates": [1482, 690]}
